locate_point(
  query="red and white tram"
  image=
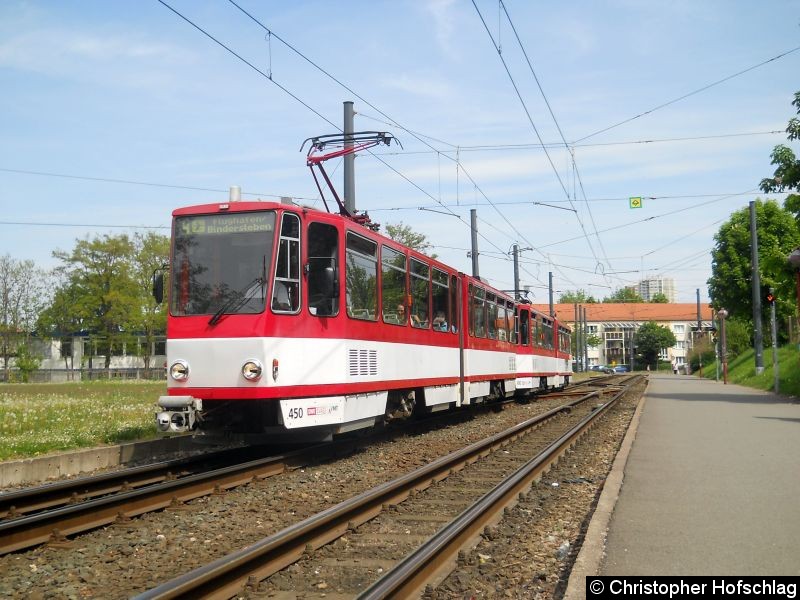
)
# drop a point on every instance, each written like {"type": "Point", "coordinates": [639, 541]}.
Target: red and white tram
{"type": "Point", "coordinates": [287, 322]}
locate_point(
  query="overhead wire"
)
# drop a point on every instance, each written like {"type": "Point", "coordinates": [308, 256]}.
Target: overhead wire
{"type": "Point", "coordinates": [697, 91]}
{"type": "Point", "coordinates": [270, 78]}
{"type": "Point", "coordinates": [533, 125]}
{"type": "Point", "coordinates": [393, 122]}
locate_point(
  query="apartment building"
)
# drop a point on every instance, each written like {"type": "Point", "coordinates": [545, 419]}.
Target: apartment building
{"type": "Point", "coordinates": [616, 324]}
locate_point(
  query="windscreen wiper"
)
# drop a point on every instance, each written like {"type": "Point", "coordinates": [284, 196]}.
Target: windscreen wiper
{"type": "Point", "coordinates": [238, 300]}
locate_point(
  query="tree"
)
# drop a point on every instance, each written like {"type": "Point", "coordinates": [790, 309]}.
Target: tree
{"type": "Point", "coordinates": [787, 173]}
{"type": "Point", "coordinates": [651, 338]}
{"type": "Point", "coordinates": [408, 237]}
{"type": "Point", "coordinates": [98, 294]}
{"type": "Point", "coordinates": [576, 297]}
{"type": "Point", "coordinates": [151, 253]}
{"type": "Point", "coordinates": [730, 282]}
{"type": "Point", "coordinates": [23, 295]}
{"type": "Point", "coordinates": [659, 298]}
{"type": "Point", "coordinates": [624, 295]}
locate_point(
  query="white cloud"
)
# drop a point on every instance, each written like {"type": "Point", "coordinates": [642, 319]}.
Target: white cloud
{"type": "Point", "coordinates": [124, 59]}
{"type": "Point", "coordinates": [444, 23]}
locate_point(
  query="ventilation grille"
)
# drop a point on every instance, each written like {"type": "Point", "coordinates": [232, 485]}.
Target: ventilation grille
{"type": "Point", "coordinates": [363, 362]}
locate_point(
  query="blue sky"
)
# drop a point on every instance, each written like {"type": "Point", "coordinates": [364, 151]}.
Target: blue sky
{"type": "Point", "coordinates": [129, 91]}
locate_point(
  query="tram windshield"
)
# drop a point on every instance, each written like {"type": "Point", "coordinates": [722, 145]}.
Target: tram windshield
{"type": "Point", "coordinates": [220, 263]}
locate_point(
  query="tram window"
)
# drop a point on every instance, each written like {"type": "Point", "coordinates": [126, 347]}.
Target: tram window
{"type": "Point", "coordinates": [361, 278]}
{"type": "Point", "coordinates": [537, 330]}
{"type": "Point", "coordinates": [286, 289]}
{"type": "Point", "coordinates": [502, 322]}
{"type": "Point", "coordinates": [547, 328]}
{"type": "Point", "coordinates": [439, 300]}
{"type": "Point", "coordinates": [491, 316]}
{"type": "Point", "coordinates": [524, 327]}
{"type": "Point", "coordinates": [478, 313]}
{"type": "Point", "coordinates": [322, 270]}
{"type": "Point", "coordinates": [393, 286]}
{"type": "Point", "coordinates": [511, 322]}
{"type": "Point", "coordinates": [420, 294]}
{"type": "Point", "coordinates": [453, 315]}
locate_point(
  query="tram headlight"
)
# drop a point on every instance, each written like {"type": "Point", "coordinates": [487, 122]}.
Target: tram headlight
{"type": "Point", "coordinates": [179, 370]}
{"type": "Point", "coordinates": [252, 370]}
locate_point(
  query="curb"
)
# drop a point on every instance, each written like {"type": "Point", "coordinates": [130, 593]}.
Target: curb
{"type": "Point", "coordinates": [53, 466]}
{"type": "Point", "coordinates": [587, 564]}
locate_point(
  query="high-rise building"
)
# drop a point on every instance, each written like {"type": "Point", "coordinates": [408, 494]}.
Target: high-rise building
{"type": "Point", "coordinates": [647, 288]}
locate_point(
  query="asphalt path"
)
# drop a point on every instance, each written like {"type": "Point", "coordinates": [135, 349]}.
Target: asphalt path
{"type": "Point", "coordinates": [711, 486]}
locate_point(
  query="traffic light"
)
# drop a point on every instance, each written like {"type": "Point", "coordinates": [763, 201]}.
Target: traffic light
{"type": "Point", "coordinates": [769, 296]}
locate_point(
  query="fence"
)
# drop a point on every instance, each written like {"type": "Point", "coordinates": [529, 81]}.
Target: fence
{"type": "Point", "coordinates": [113, 374]}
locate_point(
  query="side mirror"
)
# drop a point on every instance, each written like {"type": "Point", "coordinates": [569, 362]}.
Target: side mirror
{"type": "Point", "coordinates": [331, 290]}
{"type": "Point", "coordinates": [158, 286]}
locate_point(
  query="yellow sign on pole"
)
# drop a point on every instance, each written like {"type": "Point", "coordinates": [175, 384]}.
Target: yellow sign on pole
{"type": "Point", "coordinates": [636, 202]}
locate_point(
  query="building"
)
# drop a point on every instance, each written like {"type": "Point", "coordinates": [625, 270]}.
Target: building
{"type": "Point", "coordinates": [615, 325]}
{"type": "Point", "coordinates": [647, 288]}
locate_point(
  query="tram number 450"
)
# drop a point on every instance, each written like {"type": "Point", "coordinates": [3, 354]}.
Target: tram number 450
{"type": "Point", "coordinates": [295, 413]}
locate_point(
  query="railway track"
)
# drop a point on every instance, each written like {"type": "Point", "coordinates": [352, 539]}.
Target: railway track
{"type": "Point", "coordinates": [52, 512]}
{"type": "Point", "coordinates": [438, 509]}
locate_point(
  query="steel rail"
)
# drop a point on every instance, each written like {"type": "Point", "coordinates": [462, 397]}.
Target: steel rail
{"type": "Point", "coordinates": [32, 530]}
{"type": "Point", "coordinates": [435, 557]}
{"type": "Point", "coordinates": [228, 575]}
{"type": "Point", "coordinates": [69, 491]}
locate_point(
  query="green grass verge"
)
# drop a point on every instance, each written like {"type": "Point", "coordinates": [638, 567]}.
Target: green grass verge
{"type": "Point", "coordinates": [40, 418]}
{"type": "Point", "coordinates": [742, 371]}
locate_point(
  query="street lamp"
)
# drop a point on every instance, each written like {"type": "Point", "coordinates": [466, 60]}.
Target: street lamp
{"type": "Point", "coordinates": [723, 314]}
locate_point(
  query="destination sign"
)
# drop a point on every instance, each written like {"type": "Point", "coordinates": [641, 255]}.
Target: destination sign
{"type": "Point", "coordinates": [229, 223]}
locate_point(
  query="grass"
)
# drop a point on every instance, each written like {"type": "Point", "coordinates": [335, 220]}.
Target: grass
{"type": "Point", "coordinates": [742, 371]}
{"type": "Point", "coordinates": [39, 418]}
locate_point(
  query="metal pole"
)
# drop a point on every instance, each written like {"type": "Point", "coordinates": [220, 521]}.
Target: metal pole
{"type": "Point", "coordinates": [585, 342]}
{"type": "Point", "coordinates": [515, 249]}
{"type": "Point", "coordinates": [349, 161]}
{"type": "Point", "coordinates": [699, 333]}
{"type": "Point", "coordinates": [473, 215]}
{"type": "Point", "coordinates": [577, 340]}
{"type": "Point", "coordinates": [550, 288]}
{"type": "Point", "coordinates": [723, 314]}
{"type": "Point", "coordinates": [774, 341]}
{"type": "Point", "coordinates": [756, 277]}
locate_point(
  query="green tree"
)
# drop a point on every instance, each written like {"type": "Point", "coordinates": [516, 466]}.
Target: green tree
{"type": "Point", "coordinates": [408, 237]}
{"type": "Point", "coordinates": [98, 293]}
{"type": "Point", "coordinates": [730, 282]}
{"type": "Point", "coordinates": [651, 338]}
{"type": "Point", "coordinates": [151, 252]}
{"type": "Point", "coordinates": [787, 174]}
{"type": "Point", "coordinates": [624, 295]}
{"type": "Point", "coordinates": [27, 362]}
{"type": "Point", "coordinates": [23, 294]}
{"type": "Point", "coordinates": [659, 298]}
{"type": "Point", "coordinates": [576, 297]}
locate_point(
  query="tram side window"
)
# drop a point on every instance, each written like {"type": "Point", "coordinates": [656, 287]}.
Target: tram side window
{"type": "Point", "coordinates": [361, 278]}
{"type": "Point", "coordinates": [511, 322]}
{"type": "Point", "coordinates": [547, 327]}
{"type": "Point", "coordinates": [440, 295]}
{"type": "Point", "coordinates": [537, 331]}
{"type": "Point", "coordinates": [502, 321]}
{"type": "Point", "coordinates": [393, 286]}
{"type": "Point", "coordinates": [491, 316]}
{"type": "Point", "coordinates": [286, 290]}
{"type": "Point", "coordinates": [477, 312]}
{"type": "Point", "coordinates": [420, 294]}
{"type": "Point", "coordinates": [322, 270]}
{"type": "Point", "coordinates": [524, 327]}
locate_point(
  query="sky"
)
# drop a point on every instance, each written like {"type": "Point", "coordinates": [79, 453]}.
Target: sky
{"type": "Point", "coordinates": [113, 114]}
